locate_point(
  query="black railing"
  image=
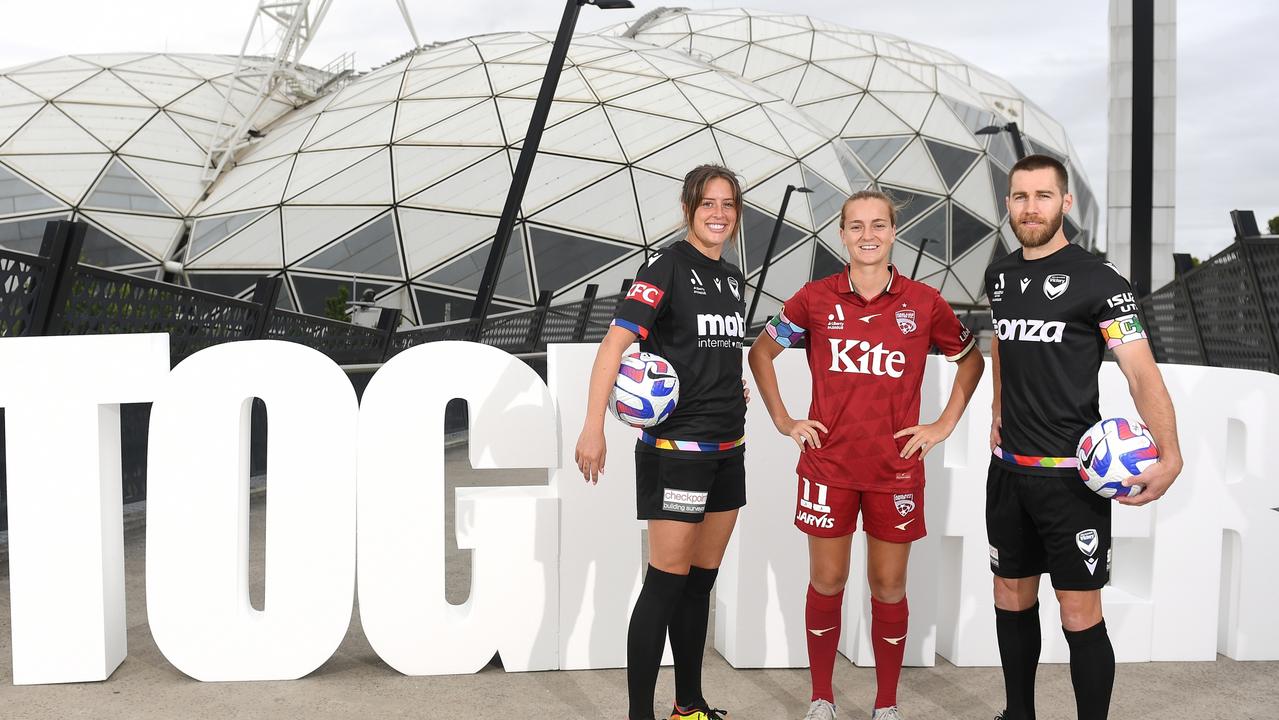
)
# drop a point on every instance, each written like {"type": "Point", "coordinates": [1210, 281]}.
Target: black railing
{"type": "Point", "coordinates": [1222, 312]}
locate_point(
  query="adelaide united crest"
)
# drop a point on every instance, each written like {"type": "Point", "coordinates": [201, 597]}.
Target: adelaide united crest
{"type": "Point", "coordinates": [906, 321]}
{"type": "Point", "coordinates": [905, 503]}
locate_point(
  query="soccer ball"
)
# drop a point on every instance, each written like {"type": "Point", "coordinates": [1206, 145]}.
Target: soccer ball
{"type": "Point", "coordinates": [645, 391]}
{"type": "Point", "coordinates": [1113, 450]}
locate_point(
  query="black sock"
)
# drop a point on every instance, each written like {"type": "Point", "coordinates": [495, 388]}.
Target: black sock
{"type": "Point", "coordinates": [1019, 643]}
{"type": "Point", "coordinates": [688, 636]}
{"type": "Point", "coordinates": [646, 637]}
{"type": "Point", "coordinates": [1092, 670]}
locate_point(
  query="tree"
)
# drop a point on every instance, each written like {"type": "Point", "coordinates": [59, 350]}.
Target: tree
{"type": "Point", "coordinates": [335, 306]}
{"type": "Point", "coordinates": [1274, 225]}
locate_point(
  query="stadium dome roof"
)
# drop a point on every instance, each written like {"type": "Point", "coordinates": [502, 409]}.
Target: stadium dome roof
{"type": "Point", "coordinates": [120, 140]}
{"type": "Point", "coordinates": [394, 183]}
{"type": "Point", "coordinates": [909, 112]}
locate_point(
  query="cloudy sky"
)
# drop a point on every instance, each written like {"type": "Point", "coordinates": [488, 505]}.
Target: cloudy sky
{"type": "Point", "coordinates": [1228, 97]}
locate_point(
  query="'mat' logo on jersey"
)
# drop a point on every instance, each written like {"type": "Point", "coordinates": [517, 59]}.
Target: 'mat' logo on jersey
{"type": "Point", "coordinates": [1045, 331]}
{"type": "Point", "coordinates": [720, 330]}
{"type": "Point", "coordinates": [858, 356]}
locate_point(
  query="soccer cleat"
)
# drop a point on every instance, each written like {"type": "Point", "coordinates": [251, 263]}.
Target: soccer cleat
{"type": "Point", "coordinates": [1002, 714]}
{"type": "Point", "coordinates": [888, 713]}
{"type": "Point", "coordinates": [694, 713]}
{"type": "Point", "coordinates": [821, 710]}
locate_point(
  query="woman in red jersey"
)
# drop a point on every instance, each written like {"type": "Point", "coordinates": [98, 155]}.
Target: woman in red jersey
{"type": "Point", "coordinates": [869, 332]}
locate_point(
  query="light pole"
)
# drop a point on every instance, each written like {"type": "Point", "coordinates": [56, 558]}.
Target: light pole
{"type": "Point", "coordinates": [768, 254]}
{"type": "Point", "coordinates": [919, 255]}
{"type": "Point", "coordinates": [1011, 128]}
{"type": "Point", "coordinates": [524, 166]}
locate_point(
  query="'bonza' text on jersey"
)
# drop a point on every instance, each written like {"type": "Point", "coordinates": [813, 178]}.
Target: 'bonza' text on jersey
{"type": "Point", "coordinates": [1048, 331]}
{"type": "Point", "coordinates": [720, 331]}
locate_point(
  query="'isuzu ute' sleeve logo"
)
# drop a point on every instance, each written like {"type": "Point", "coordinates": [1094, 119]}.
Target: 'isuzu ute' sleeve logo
{"type": "Point", "coordinates": [650, 295]}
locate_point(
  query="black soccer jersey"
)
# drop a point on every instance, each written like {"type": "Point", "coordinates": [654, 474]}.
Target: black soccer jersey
{"type": "Point", "coordinates": [1054, 317]}
{"type": "Point", "coordinates": [690, 310]}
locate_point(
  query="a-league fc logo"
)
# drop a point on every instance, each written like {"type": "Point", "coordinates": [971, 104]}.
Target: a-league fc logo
{"type": "Point", "coordinates": [906, 321]}
{"type": "Point", "coordinates": [905, 503]}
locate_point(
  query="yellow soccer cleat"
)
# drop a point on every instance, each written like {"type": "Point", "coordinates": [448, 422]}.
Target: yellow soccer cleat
{"type": "Point", "coordinates": [693, 713]}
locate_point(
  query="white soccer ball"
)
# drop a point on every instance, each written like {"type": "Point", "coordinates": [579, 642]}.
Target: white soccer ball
{"type": "Point", "coordinates": [1112, 451]}
{"type": "Point", "coordinates": [645, 391]}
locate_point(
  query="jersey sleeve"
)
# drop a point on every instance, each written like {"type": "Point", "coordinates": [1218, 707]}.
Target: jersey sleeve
{"type": "Point", "coordinates": [1115, 311]}
{"type": "Point", "coordinates": [947, 333]}
{"type": "Point", "coordinates": [647, 297]}
{"type": "Point", "coordinates": [790, 325]}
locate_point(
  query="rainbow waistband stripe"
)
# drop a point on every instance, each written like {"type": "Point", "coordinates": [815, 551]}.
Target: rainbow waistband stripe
{"type": "Point", "coordinates": [690, 445]}
{"type": "Point", "coordinates": [1035, 460]}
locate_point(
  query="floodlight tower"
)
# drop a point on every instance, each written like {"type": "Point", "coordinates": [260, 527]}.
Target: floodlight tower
{"type": "Point", "coordinates": [296, 23]}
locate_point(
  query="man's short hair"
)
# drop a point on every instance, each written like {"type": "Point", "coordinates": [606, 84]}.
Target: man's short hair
{"type": "Point", "coordinates": [1039, 162]}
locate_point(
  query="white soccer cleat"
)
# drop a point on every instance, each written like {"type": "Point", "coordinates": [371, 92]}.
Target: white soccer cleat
{"type": "Point", "coordinates": [888, 713]}
{"type": "Point", "coordinates": [821, 710]}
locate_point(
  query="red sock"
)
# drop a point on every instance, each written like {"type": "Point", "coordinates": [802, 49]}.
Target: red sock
{"type": "Point", "coordinates": [888, 623]}
{"type": "Point", "coordinates": [822, 616]}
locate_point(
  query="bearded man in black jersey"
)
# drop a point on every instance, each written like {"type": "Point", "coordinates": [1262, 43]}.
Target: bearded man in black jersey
{"type": "Point", "coordinates": [1056, 309]}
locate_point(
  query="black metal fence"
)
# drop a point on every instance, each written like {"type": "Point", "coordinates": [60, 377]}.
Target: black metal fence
{"type": "Point", "coordinates": [1222, 312]}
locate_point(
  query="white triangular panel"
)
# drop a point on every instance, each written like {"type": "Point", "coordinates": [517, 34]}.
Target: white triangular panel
{"type": "Point", "coordinates": [414, 115]}
{"type": "Point", "coordinates": [909, 106]}
{"type": "Point", "coordinates": [825, 161]}
{"type": "Point", "coordinates": [829, 236]}
{"type": "Point", "coordinates": [153, 234]}
{"type": "Point", "coordinates": [737, 29]}
{"type": "Point", "coordinates": [588, 135]}
{"type": "Point", "coordinates": [676, 160]}
{"type": "Point", "coordinates": [827, 46]}
{"type": "Point", "coordinates": [446, 82]}
{"type": "Point", "coordinates": [769, 194]}
{"type": "Point", "coordinates": [307, 229]}
{"type": "Point", "coordinates": [330, 122]}
{"type": "Point", "coordinates": [431, 236]}
{"type": "Point", "coordinates": [607, 84]}
{"type": "Point", "coordinates": [914, 168]}
{"type": "Point", "coordinates": [787, 274]}
{"type": "Point", "coordinates": [888, 76]}
{"type": "Point", "coordinates": [372, 130]}
{"type": "Point", "coordinates": [555, 176]}
{"type": "Point", "coordinates": [256, 246]}
{"type": "Point", "coordinates": [13, 117]}
{"type": "Point", "coordinates": [313, 168]}
{"type": "Point", "coordinates": [159, 89]}
{"type": "Point", "coordinates": [205, 102]}
{"type": "Point", "coordinates": [50, 85]}
{"type": "Point", "coordinates": [105, 89]}
{"type": "Point", "coordinates": [794, 128]}
{"type": "Point", "coordinates": [181, 185]}
{"type": "Point", "coordinates": [59, 64]}
{"type": "Point", "coordinates": [735, 61]}
{"type": "Point", "coordinates": [641, 133]}
{"type": "Point", "coordinates": [50, 131]}
{"type": "Point", "coordinates": [279, 141]}
{"type": "Point", "coordinates": [762, 62]}
{"type": "Point", "coordinates": [153, 64]}
{"type": "Point", "coordinates": [66, 176]}
{"type": "Point", "coordinates": [943, 124]}
{"type": "Point", "coordinates": [714, 47]}
{"type": "Point", "coordinates": [712, 105]}
{"type": "Point", "coordinates": [207, 66]}
{"type": "Point", "coordinates": [1044, 129]}
{"type": "Point", "coordinates": [953, 87]}
{"type": "Point", "coordinates": [785, 83]}
{"type": "Point", "coordinates": [505, 77]}
{"type": "Point", "coordinates": [417, 167]}
{"type": "Point", "coordinates": [925, 73]}
{"type": "Point", "coordinates": [12, 93]}
{"type": "Point", "coordinates": [659, 203]}
{"type": "Point", "coordinates": [664, 99]}
{"type": "Point", "coordinates": [265, 188]}
{"type": "Point", "coordinates": [479, 188]}
{"type": "Point", "coordinates": [974, 193]}
{"type": "Point", "coordinates": [161, 139]}
{"type": "Point", "coordinates": [872, 118]}
{"type": "Point", "coordinates": [832, 114]}
{"type": "Point", "coordinates": [517, 112]}
{"type": "Point", "coordinates": [971, 268]}
{"type": "Point", "coordinates": [795, 44]}
{"type": "Point", "coordinates": [765, 28]}
{"type": "Point", "coordinates": [623, 62]}
{"type": "Point", "coordinates": [605, 207]}
{"type": "Point", "coordinates": [476, 125]}
{"type": "Point", "coordinates": [752, 162]}
{"type": "Point", "coordinates": [853, 70]}
{"type": "Point", "coordinates": [367, 92]}
{"type": "Point", "coordinates": [819, 84]}
{"type": "Point", "coordinates": [456, 53]}
{"type": "Point", "coordinates": [112, 125]}
{"type": "Point", "coordinates": [366, 182]}
{"type": "Point", "coordinates": [904, 256]}
{"type": "Point", "coordinates": [754, 125]}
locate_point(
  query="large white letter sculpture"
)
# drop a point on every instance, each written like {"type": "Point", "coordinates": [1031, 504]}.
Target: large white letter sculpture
{"type": "Point", "coordinates": [512, 531]}
{"type": "Point", "coordinates": [62, 400]}
{"type": "Point", "coordinates": [198, 512]}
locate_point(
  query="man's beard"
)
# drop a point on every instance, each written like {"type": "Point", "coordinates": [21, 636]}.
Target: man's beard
{"type": "Point", "coordinates": [1033, 239]}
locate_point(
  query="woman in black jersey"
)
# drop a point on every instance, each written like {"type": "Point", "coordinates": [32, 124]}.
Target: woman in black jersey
{"type": "Point", "coordinates": [686, 304]}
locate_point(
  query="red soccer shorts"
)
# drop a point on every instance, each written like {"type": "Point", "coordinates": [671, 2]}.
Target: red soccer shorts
{"type": "Point", "coordinates": [826, 511]}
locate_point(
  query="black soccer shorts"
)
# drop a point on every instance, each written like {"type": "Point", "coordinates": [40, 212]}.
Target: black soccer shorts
{"type": "Point", "coordinates": [1047, 524]}
{"type": "Point", "coordinates": [685, 489]}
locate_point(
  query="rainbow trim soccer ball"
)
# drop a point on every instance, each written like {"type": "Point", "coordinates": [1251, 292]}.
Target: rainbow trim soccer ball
{"type": "Point", "coordinates": [1112, 451]}
{"type": "Point", "coordinates": [646, 390]}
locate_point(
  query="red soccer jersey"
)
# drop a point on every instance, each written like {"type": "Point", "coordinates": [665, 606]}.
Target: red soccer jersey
{"type": "Point", "coordinates": [867, 363]}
